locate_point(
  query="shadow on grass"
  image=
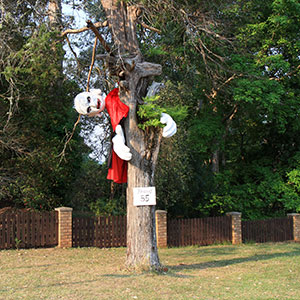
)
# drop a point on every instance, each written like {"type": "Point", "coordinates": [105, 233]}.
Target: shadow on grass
{"type": "Point", "coordinates": [211, 251]}
{"type": "Point", "coordinates": [229, 262]}
{"type": "Point", "coordinates": [58, 284]}
{"type": "Point", "coordinates": [147, 273]}
{"type": "Point", "coordinates": [35, 266]}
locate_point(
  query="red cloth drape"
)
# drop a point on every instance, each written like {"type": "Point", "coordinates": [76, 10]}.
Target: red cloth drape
{"type": "Point", "coordinates": [117, 110]}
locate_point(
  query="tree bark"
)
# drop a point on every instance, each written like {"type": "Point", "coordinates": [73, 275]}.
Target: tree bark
{"type": "Point", "coordinates": [144, 145]}
{"type": "Point", "coordinates": [54, 12]}
{"type": "Point", "coordinates": [215, 162]}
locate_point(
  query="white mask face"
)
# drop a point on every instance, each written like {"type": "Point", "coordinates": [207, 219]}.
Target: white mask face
{"type": "Point", "coordinates": [88, 103]}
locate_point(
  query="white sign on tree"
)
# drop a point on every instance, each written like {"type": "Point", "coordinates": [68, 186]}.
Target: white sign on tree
{"type": "Point", "coordinates": [144, 196]}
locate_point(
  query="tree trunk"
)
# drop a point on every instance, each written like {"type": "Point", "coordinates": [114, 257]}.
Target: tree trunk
{"type": "Point", "coordinates": [54, 12]}
{"type": "Point", "coordinates": [144, 145]}
{"type": "Point", "coordinates": [215, 162]}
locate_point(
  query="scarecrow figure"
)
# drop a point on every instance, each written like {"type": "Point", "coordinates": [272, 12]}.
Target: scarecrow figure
{"type": "Point", "coordinates": [92, 103]}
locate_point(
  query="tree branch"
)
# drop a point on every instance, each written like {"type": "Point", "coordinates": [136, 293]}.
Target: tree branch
{"type": "Point", "coordinates": [231, 114]}
{"type": "Point", "coordinates": [214, 92]}
{"type": "Point", "coordinates": [92, 65]}
{"type": "Point", "coordinates": [286, 75]}
{"type": "Point", "coordinates": [68, 137]}
{"type": "Point", "coordinates": [149, 27]}
{"type": "Point", "coordinates": [71, 49]}
{"type": "Point", "coordinates": [74, 31]}
{"type": "Point", "coordinates": [147, 69]}
{"type": "Point", "coordinates": [98, 35]}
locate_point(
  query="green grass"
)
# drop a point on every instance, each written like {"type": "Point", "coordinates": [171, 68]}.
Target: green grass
{"type": "Point", "coordinates": [251, 271]}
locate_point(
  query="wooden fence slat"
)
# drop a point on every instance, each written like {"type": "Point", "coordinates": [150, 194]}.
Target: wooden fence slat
{"type": "Point", "coordinates": [122, 229]}
{"type": "Point", "coordinates": [47, 234]}
{"type": "Point", "coordinates": [96, 231]}
{"type": "Point", "coordinates": [7, 226]}
{"type": "Point", "coordinates": [74, 232]}
{"type": "Point", "coordinates": [18, 229]}
{"type": "Point", "coordinates": [43, 234]}
{"type": "Point", "coordinates": [107, 232]}
{"type": "Point", "coordinates": [117, 231]}
{"type": "Point", "coordinates": [101, 231]}
{"type": "Point", "coordinates": [14, 231]}
{"type": "Point", "coordinates": [51, 228]}
{"type": "Point", "coordinates": [113, 232]}
{"type": "Point", "coordinates": [10, 241]}
{"type": "Point", "coordinates": [88, 231]}
{"type": "Point", "coordinates": [38, 230]}
{"type": "Point", "coordinates": [1, 232]}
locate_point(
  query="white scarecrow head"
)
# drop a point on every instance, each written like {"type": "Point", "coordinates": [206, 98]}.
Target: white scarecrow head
{"type": "Point", "coordinates": [90, 103]}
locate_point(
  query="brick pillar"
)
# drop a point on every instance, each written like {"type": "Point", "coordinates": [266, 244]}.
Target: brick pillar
{"type": "Point", "coordinates": [161, 228]}
{"type": "Point", "coordinates": [296, 226]}
{"type": "Point", "coordinates": [236, 227]}
{"type": "Point", "coordinates": [64, 227]}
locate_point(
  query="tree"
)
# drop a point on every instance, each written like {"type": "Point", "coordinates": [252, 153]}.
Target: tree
{"type": "Point", "coordinates": [126, 63]}
{"type": "Point", "coordinates": [240, 62]}
{"type": "Point", "coordinates": [261, 142]}
{"type": "Point", "coordinates": [141, 235]}
{"type": "Point", "coordinates": [35, 110]}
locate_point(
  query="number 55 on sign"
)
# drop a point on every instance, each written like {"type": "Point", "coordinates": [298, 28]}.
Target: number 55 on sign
{"type": "Point", "coordinates": [144, 196]}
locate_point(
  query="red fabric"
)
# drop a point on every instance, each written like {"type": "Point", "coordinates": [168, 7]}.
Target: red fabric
{"type": "Point", "coordinates": [117, 110]}
{"type": "Point", "coordinates": [118, 170]}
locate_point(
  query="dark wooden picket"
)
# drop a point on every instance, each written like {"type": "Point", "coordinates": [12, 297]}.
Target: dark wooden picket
{"type": "Point", "coordinates": [272, 230]}
{"type": "Point", "coordinates": [28, 229]}
{"type": "Point", "coordinates": [102, 232]}
{"type": "Point", "coordinates": [204, 231]}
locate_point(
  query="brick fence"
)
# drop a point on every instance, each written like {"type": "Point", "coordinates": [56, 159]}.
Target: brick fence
{"type": "Point", "coordinates": [33, 229]}
{"type": "Point", "coordinates": [65, 227]}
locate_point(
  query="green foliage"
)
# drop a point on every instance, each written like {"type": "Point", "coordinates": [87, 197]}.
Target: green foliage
{"type": "Point", "coordinates": [18, 243]}
{"type": "Point", "coordinates": [92, 192]}
{"type": "Point", "coordinates": [251, 122]}
{"type": "Point", "coordinates": [31, 65]}
{"type": "Point", "coordinates": [33, 175]}
{"type": "Point", "coordinates": [150, 113]}
{"type": "Point", "coordinates": [110, 207]}
{"type": "Point", "coordinates": [232, 85]}
{"type": "Point", "coordinates": [259, 192]}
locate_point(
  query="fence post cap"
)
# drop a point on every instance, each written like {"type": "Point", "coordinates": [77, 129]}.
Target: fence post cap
{"type": "Point", "coordinates": [63, 209]}
{"type": "Point", "coordinates": [293, 215]}
{"type": "Point", "coordinates": [160, 211]}
{"type": "Point", "coordinates": [233, 213]}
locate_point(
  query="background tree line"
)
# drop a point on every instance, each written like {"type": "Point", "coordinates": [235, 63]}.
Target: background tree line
{"type": "Point", "coordinates": [231, 66]}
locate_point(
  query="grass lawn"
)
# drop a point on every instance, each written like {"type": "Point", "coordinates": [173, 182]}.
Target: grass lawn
{"type": "Point", "coordinates": [251, 271]}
